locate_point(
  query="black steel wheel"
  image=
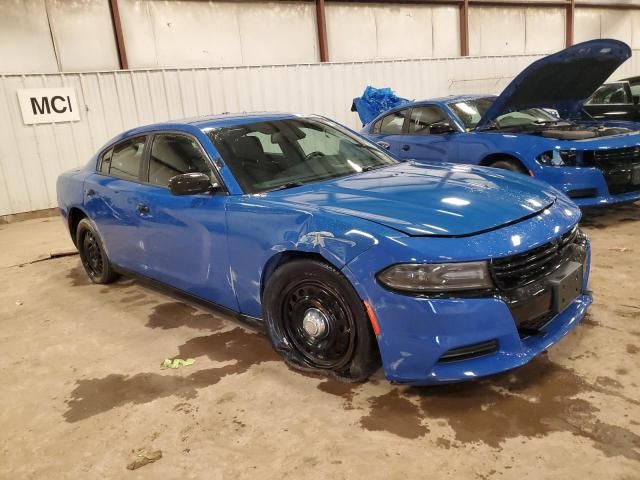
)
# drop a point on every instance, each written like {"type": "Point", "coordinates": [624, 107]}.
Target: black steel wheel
{"type": "Point", "coordinates": [318, 323]}
{"type": "Point", "coordinates": [316, 320]}
{"type": "Point", "coordinates": [92, 254]}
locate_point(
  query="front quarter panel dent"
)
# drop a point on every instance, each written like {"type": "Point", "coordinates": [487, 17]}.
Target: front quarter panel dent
{"type": "Point", "coordinates": [260, 231]}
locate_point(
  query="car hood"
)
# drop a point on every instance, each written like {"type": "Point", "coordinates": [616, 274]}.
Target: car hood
{"type": "Point", "coordinates": [561, 81]}
{"type": "Point", "coordinates": [422, 199]}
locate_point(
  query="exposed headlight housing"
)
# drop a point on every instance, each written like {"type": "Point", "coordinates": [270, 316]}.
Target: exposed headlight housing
{"type": "Point", "coordinates": [436, 277]}
{"type": "Point", "coordinates": [557, 158]}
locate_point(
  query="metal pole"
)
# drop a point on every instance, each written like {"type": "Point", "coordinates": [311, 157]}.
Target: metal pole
{"type": "Point", "coordinates": [117, 29]}
{"type": "Point", "coordinates": [321, 24]}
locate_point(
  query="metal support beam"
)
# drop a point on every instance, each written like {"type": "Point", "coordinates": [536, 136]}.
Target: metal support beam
{"type": "Point", "coordinates": [569, 23]}
{"type": "Point", "coordinates": [117, 29]}
{"type": "Point", "coordinates": [464, 28]}
{"type": "Point", "coordinates": [321, 25]}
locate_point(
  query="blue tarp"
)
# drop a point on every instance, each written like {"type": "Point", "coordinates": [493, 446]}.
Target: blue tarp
{"type": "Point", "coordinates": [374, 101]}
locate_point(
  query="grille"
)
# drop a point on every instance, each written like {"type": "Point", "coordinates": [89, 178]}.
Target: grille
{"type": "Point", "coordinates": [617, 165]}
{"type": "Point", "coordinates": [519, 270]}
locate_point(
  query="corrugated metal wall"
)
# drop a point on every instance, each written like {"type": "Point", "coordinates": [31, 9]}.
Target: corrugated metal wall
{"type": "Point", "coordinates": [32, 156]}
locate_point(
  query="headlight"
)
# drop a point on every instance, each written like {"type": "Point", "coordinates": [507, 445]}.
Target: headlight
{"type": "Point", "coordinates": [557, 158]}
{"type": "Point", "coordinates": [436, 277]}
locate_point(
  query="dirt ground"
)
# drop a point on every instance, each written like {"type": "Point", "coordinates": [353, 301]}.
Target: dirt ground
{"type": "Point", "coordinates": [82, 391]}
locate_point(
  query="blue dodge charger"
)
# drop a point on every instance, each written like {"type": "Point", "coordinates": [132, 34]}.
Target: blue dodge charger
{"type": "Point", "coordinates": [345, 256]}
{"type": "Point", "coordinates": [537, 127]}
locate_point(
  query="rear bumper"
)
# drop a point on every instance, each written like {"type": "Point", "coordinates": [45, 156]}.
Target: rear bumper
{"type": "Point", "coordinates": [586, 186]}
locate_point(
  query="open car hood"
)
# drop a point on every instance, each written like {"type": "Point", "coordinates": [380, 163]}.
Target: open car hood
{"type": "Point", "coordinates": [561, 81]}
{"type": "Point", "coordinates": [429, 199]}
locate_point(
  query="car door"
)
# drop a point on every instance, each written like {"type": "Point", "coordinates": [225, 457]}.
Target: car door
{"type": "Point", "coordinates": [428, 135]}
{"type": "Point", "coordinates": [386, 131]}
{"type": "Point", "coordinates": [112, 201]}
{"type": "Point", "coordinates": [185, 236]}
{"type": "Point", "coordinates": [613, 101]}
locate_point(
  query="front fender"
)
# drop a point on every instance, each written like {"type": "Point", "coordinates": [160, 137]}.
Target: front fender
{"type": "Point", "coordinates": [260, 230]}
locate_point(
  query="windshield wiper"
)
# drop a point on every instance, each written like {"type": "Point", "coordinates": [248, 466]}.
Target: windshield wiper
{"type": "Point", "coordinates": [368, 168]}
{"type": "Point", "coordinates": [286, 186]}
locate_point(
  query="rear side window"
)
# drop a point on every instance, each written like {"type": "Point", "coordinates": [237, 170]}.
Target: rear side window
{"type": "Point", "coordinates": [423, 117]}
{"type": "Point", "coordinates": [105, 162]}
{"type": "Point", "coordinates": [392, 123]}
{"type": "Point", "coordinates": [173, 155]}
{"type": "Point", "coordinates": [124, 160]}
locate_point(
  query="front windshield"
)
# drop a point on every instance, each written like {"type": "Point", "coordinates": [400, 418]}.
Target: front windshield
{"type": "Point", "coordinates": [285, 153]}
{"type": "Point", "coordinates": [471, 111]}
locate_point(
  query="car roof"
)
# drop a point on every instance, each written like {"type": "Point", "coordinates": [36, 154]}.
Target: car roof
{"type": "Point", "coordinates": [205, 123]}
{"type": "Point", "coordinates": [438, 101]}
{"type": "Point", "coordinates": [216, 121]}
{"type": "Point", "coordinates": [450, 99]}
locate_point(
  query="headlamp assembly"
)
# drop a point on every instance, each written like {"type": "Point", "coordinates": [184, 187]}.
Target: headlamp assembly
{"type": "Point", "coordinates": [436, 277]}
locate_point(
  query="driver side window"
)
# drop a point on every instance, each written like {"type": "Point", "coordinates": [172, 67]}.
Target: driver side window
{"type": "Point", "coordinates": [392, 124]}
{"type": "Point", "coordinates": [173, 155]}
{"type": "Point", "coordinates": [423, 117]}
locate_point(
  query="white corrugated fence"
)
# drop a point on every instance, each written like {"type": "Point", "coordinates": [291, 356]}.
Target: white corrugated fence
{"type": "Point", "coordinates": [32, 156]}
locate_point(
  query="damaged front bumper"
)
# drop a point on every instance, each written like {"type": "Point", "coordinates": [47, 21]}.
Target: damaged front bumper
{"type": "Point", "coordinates": [450, 339]}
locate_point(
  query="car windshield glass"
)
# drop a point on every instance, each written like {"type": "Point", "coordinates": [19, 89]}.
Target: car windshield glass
{"type": "Point", "coordinates": [286, 153]}
{"type": "Point", "coordinates": [471, 111]}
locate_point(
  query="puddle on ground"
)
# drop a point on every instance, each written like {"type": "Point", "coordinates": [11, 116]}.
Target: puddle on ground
{"type": "Point", "coordinates": [340, 389]}
{"type": "Point", "coordinates": [533, 401]}
{"type": "Point", "coordinates": [395, 413]}
{"type": "Point", "coordinates": [178, 314]}
{"type": "Point", "coordinates": [98, 395]}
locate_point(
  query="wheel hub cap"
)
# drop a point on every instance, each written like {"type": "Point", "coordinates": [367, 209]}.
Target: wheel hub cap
{"type": "Point", "coordinates": [315, 323]}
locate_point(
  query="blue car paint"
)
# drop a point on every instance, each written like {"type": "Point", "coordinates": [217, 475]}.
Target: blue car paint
{"type": "Point", "coordinates": [475, 148]}
{"type": "Point", "coordinates": [478, 146]}
{"type": "Point", "coordinates": [220, 247]}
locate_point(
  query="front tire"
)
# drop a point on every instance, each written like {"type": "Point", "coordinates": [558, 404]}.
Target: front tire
{"type": "Point", "coordinates": [317, 322]}
{"type": "Point", "coordinates": [511, 165]}
{"type": "Point", "coordinates": [94, 258]}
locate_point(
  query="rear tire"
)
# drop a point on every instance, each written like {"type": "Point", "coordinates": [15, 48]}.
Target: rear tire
{"type": "Point", "coordinates": [94, 258]}
{"type": "Point", "coordinates": [317, 322]}
{"type": "Point", "coordinates": [511, 165]}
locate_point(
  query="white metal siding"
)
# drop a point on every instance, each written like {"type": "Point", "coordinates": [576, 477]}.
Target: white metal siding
{"type": "Point", "coordinates": [32, 156]}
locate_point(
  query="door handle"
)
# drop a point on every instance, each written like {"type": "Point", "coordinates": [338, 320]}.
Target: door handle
{"type": "Point", "coordinates": [143, 209]}
{"type": "Point", "coordinates": [384, 145]}
{"type": "Point", "coordinates": [405, 148]}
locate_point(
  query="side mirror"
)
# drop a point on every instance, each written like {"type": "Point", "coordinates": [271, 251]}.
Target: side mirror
{"type": "Point", "coordinates": [440, 128]}
{"type": "Point", "coordinates": [191, 184]}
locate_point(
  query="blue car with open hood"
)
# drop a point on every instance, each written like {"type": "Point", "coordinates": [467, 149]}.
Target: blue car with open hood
{"type": "Point", "coordinates": [343, 255]}
{"type": "Point", "coordinates": [537, 127]}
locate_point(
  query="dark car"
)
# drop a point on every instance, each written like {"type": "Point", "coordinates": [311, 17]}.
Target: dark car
{"type": "Point", "coordinates": [616, 101]}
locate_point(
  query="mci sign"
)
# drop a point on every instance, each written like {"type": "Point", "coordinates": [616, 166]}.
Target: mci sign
{"type": "Point", "coordinates": [48, 105]}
